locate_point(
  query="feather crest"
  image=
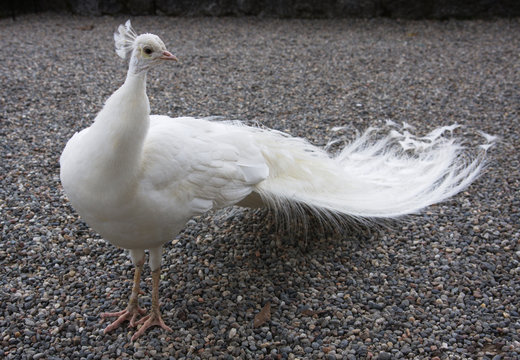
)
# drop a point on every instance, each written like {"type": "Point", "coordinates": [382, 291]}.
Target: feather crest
{"type": "Point", "coordinates": [124, 40]}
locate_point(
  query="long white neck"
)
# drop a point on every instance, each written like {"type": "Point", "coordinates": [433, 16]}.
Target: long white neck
{"type": "Point", "coordinates": [119, 131]}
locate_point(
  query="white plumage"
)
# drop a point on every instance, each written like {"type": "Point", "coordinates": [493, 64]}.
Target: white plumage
{"type": "Point", "coordinates": [137, 179]}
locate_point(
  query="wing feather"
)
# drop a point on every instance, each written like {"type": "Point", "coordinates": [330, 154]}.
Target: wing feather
{"type": "Point", "coordinates": [201, 164]}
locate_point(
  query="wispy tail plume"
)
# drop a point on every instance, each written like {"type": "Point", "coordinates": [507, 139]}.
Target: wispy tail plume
{"type": "Point", "coordinates": [385, 173]}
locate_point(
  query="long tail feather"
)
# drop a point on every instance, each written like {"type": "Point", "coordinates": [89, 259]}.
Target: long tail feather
{"type": "Point", "coordinates": [385, 173]}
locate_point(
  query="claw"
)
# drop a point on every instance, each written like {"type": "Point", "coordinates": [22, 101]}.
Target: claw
{"type": "Point", "coordinates": [153, 319]}
{"type": "Point", "coordinates": [130, 313]}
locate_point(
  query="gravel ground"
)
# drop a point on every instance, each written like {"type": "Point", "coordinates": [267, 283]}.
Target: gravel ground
{"type": "Point", "coordinates": [444, 284]}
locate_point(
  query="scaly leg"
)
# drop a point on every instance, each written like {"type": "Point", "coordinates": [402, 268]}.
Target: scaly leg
{"type": "Point", "coordinates": [154, 318]}
{"type": "Point", "coordinates": [133, 310]}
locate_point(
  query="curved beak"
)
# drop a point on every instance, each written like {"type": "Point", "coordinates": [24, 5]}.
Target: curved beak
{"type": "Point", "coordinates": [166, 55]}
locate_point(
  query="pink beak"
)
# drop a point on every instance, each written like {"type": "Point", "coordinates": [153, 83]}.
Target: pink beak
{"type": "Point", "coordinates": [166, 55]}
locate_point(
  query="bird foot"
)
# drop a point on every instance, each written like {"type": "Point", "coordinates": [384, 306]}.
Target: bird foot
{"type": "Point", "coordinates": [130, 313]}
{"type": "Point", "coordinates": [153, 319]}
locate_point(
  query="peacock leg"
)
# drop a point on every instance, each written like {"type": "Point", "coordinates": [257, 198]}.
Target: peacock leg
{"type": "Point", "coordinates": [133, 310]}
{"type": "Point", "coordinates": [154, 318]}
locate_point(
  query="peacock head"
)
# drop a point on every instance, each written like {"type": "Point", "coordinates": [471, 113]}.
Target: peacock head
{"type": "Point", "coordinates": [144, 51]}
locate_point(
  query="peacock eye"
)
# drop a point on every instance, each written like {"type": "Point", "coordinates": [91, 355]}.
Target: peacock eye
{"type": "Point", "coordinates": [148, 51]}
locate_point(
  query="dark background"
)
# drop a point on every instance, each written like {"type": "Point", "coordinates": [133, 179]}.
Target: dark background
{"type": "Point", "coordinates": [406, 9]}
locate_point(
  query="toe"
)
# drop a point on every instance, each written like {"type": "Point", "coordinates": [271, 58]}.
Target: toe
{"type": "Point", "coordinates": [148, 322]}
{"type": "Point", "coordinates": [129, 314]}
